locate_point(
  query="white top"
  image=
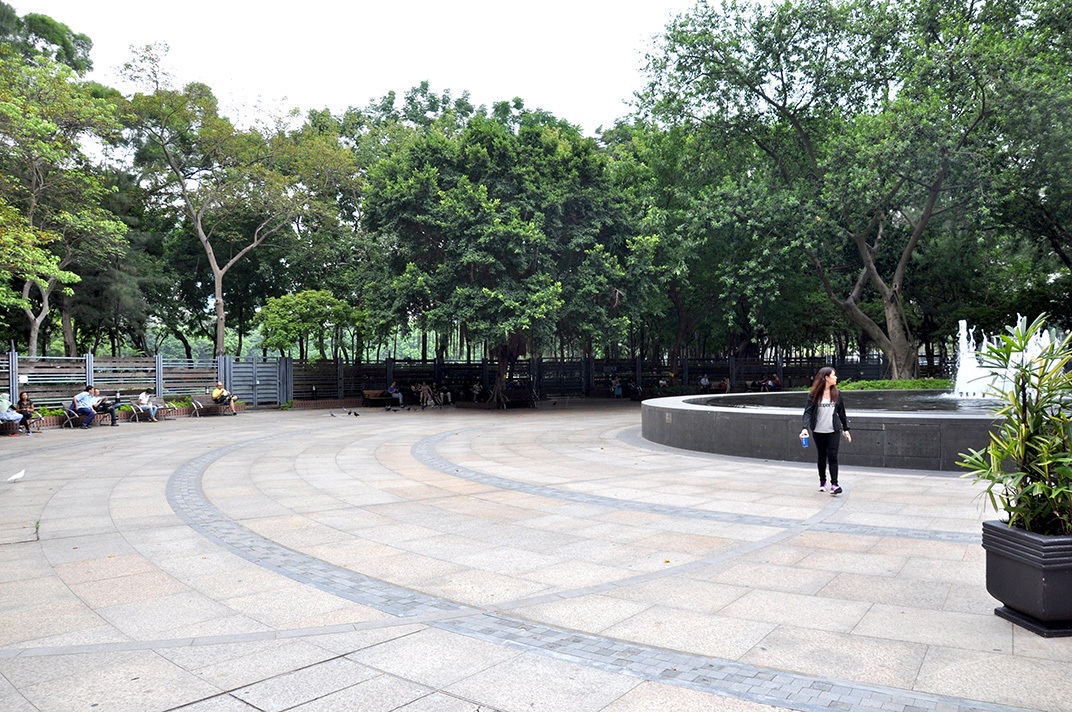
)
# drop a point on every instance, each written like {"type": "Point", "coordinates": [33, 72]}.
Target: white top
{"type": "Point", "coordinates": [824, 416]}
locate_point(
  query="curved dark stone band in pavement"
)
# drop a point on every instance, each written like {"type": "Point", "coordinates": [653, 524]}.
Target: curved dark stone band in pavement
{"type": "Point", "coordinates": [186, 497]}
{"type": "Point", "coordinates": [424, 451]}
{"type": "Point", "coordinates": [722, 677]}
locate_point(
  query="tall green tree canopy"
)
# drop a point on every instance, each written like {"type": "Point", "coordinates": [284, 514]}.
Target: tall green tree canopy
{"type": "Point", "coordinates": [867, 116]}
{"type": "Point", "coordinates": [506, 229]}
{"type": "Point", "coordinates": [237, 187]}
{"type": "Point", "coordinates": [47, 118]}
{"type": "Point", "coordinates": [34, 34]}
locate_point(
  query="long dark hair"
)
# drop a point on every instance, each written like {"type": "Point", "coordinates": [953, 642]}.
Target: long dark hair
{"type": "Point", "coordinates": [819, 385]}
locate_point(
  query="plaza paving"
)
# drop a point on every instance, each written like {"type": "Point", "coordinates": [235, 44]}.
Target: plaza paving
{"type": "Point", "coordinates": [463, 560]}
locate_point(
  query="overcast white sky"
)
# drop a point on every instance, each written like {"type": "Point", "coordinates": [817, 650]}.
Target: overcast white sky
{"type": "Point", "coordinates": [578, 59]}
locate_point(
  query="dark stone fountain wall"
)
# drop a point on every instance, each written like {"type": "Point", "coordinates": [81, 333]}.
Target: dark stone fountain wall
{"type": "Point", "coordinates": [915, 440]}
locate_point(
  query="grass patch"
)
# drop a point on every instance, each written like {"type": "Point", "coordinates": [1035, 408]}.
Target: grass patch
{"type": "Point", "coordinates": [914, 384]}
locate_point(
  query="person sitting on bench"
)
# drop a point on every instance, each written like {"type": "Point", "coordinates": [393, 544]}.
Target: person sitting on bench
{"type": "Point", "coordinates": [82, 404]}
{"type": "Point", "coordinates": [103, 406]}
{"type": "Point", "coordinates": [222, 396]}
{"type": "Point", "coordinates": [145, 400]}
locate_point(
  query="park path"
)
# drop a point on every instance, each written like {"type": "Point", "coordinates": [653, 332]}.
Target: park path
{"type": "Point", "coordinates": [462, 560]}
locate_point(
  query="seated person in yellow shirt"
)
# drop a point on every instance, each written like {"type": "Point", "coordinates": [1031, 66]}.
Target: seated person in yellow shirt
{"type": "Point", "coordinates": [224, 397]}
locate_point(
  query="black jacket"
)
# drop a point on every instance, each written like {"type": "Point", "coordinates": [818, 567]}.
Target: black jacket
{"type": "Point", "coordinates": [841, 422]}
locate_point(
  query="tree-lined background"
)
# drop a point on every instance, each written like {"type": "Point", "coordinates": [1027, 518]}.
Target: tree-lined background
{"type": "Point", "coordinates": [808, 177]}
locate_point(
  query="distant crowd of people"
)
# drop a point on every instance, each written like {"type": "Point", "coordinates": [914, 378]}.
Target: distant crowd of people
{"type": "Point", "coordinates": [89, 404]}
{"type": "Point", "coordinates": [426, 394]}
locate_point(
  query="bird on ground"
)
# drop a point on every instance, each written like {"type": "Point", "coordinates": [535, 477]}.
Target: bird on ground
{"type": "Point", "coordinates": [17, 476]}
{"type": "Point", "coordinates": [331, 414]}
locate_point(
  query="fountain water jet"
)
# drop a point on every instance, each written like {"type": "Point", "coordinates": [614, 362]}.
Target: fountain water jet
{"type": "Point", "coordinates": [974, 379]}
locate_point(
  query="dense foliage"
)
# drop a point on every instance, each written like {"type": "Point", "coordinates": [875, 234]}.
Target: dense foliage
{"type": "Point", "coordinates": [810, 176]}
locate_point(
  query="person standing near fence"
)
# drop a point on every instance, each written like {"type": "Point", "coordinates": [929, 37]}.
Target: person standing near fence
{"type": "Point", "coordinates": [824, 416]}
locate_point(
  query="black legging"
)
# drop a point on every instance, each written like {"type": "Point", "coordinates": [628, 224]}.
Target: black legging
{"type": "Point", "coordinates": [827, 446]}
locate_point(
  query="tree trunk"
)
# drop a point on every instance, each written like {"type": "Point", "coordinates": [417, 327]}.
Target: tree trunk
{"type": "Point", "coordinates": [36, 320]}
{"type": "Point", "coordinates": [903, 352]}
{"type": "Point", "coordinates": [70, 346]}
{"type": "Point", "coordinates": [185, 344]}
{"type": "Point", "coordinates": [221, 315]}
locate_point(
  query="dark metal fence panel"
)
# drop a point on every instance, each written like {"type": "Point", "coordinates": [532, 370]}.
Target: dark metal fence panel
{"type": "Point", "coordinates": [51, 381]}
{"type": "Point", "coordinates": [408, 373]}
{"type": "Point", "coordinates": [127, 376]}
{"type": "Point", "coordinates": [9, 376]}
{"type": "Point", "coordinates": [562, 378]}
{"type": "Point", "coordinates": [256, 381]}
{"type": "Point", "coordinates": [361, 377]}
{"type": "Point", "coordinates": [315, 380]}
{"type": "Point", "coordinates": [185, 377]}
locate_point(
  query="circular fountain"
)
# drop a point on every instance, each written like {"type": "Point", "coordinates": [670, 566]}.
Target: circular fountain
{"type": "Point", "coordinates": [916, 430]}
{"type": "Point", "coordinates": [766, 425]}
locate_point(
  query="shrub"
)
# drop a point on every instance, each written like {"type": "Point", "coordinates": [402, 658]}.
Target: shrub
{"type": "Point", "coordinates": [1027, 467]}
{"type": "Point", "coordinates": [914, 384]}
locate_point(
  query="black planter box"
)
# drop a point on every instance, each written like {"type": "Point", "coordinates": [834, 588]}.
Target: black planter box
{"type": "Point", "coordinates": [1032, 575]}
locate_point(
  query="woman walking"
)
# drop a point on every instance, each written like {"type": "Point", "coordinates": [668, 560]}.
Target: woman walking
{"type": "Point", "coordinates": [825, 417]}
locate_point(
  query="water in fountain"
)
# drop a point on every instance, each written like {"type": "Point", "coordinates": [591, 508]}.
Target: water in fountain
{"type": "Point", "coordinates": [974, 380]}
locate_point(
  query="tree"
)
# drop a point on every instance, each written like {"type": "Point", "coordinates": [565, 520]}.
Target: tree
{"type": "Point", "coordinates": [24, 257]}
{"type": "Point", "coordinates": [292, 318]}
{"type": "Point", "coordinates": [1032, 156]}
{"type": "Point", "coordinates": [237, 188]}
{"type": "Point", "coordinates": [47, 116]}
{"type": "Point", "coordinates": [866, 115]}
{"type": "Point", "coordinates": [34, 35]}
{"type": "Point", "coordinates": [499, 230]}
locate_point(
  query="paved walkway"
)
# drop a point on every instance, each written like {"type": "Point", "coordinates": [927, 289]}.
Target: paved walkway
{"type": "Point", "coordinates": [460, 560]}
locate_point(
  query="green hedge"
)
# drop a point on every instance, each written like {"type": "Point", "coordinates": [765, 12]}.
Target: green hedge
{"type": "Point", "coordinates": [915, 384]}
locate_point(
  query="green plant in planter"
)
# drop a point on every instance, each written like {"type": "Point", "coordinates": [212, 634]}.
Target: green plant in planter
{"type": "Point", "coordinates": [1027, 467]}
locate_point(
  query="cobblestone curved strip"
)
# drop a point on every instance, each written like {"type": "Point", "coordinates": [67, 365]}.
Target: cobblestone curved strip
{"type": "Point", "coordinates": [186, 497]}
{"type": "Point", "coordinates": [424, 451]}
{"type": "Point", "coordinates": [721, 677]}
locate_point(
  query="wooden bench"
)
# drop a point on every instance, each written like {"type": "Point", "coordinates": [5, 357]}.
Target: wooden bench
{"type": "Point", "coordinates": [375, 399]}
{"type": "Point", "coordinates": [204, 405]}
{"type": "Point", "coordinates": [138, 412]}
{"type": "Point", "coordinates": [14, 426]}
{"type": "Point", "coordinates": [71, 419]}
